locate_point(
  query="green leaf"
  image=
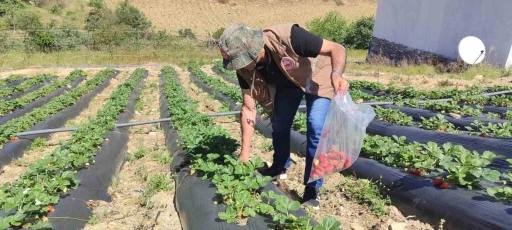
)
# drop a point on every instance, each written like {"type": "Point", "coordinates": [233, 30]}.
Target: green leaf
{"type": "Point", "coordinates": [249, 212]}
{"type": "Point", "coordinates": [491, 175]}
{"type": "Point", "coordinates": [492, 191]}
{"type": "Point", "coordinates": [328, 223]}
{"type": "Point", "coordinates": [42, 225]}
{"type": "Point", "coordinates": [509, 161]}
{"type": "Point", "coordinates": [294, 205]}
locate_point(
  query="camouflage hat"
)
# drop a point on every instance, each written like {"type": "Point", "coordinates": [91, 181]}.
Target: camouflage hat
{"type": "Point", "coordinates": [240, 45]}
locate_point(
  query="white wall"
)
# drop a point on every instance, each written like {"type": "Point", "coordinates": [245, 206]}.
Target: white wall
{"type": "Point", "coordinates": [437, 26]}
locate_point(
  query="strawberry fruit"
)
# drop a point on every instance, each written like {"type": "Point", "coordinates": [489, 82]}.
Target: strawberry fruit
{"type": "Point", "coordinates": [437, 181]}
{"type": "Point", "coordinates": [444, 185]}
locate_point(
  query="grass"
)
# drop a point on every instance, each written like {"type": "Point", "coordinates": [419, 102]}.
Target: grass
{"type": "Point", "coordinates": [122, 56]}
{"type": "Point", "coordinates": [366, 192]}
{"type": "Point", "coordinates": [186, 50]}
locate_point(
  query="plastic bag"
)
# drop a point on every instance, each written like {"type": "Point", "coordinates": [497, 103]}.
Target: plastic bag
{"type": "Point", "coordinates": [342, 136]}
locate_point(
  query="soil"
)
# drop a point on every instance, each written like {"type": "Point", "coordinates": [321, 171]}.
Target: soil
{"type": "Point", "coordinates": [12, 171]}
{"type": "Point", "coordinates": [61, 72]}
{"type": "Point", "coordinates": [15, 169]}
{"type": "Point", "coordinates": [100, 100]}
{"type": "Point", "coordinates": [206, 16]}
{"type": "Point", "coordinates": [208, 70]}
{"type": "Point", "coordinates": [125, 211]}
{"type": "Point", "coordinates": [425, 82]}
{"type": "Point", "coordinates": [349, 212]}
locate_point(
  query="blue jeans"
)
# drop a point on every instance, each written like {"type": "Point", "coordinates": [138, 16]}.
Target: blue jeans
{"type": "Point", "coordinates": [287, 101]}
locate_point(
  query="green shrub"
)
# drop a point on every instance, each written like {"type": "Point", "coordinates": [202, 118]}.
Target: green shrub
{"type": "Point", "coordinates": [186, 33]}
{"type": "Point", "coordinates": [132, 17]}
{"type": "Point", "coordinates": [27, 20]}
{"type": "Point", "coordinates": [55, 9]}
{"type": "Point", "coordinates": [9, 6]}
{"type": "Point", "coordinates": [218, 33]}
{"type": "Point", "coordinates": [69, 38]}
{"type": "Point", "coordinates": [332, 27]}
{"type": "Point", "coordinates": [360, 33]}
{"type": "Point", "coordinates": [98, 4]}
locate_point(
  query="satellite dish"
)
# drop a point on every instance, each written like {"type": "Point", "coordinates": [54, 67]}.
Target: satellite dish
{"type": "Point", "coordinates": [472, 50]}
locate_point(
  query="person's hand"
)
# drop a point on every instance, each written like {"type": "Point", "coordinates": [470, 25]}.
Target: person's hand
{"type": "Point", "coordinates": [339, 83]}
{"type": "Point", "coordinates": [244, 157]}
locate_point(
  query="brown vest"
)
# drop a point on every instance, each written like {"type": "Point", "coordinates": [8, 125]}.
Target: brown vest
{"type": "Point", "coordinates": [312, 75]}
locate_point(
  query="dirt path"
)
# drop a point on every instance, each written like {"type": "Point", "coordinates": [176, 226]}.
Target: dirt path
{"type": "Point", "coordinates": [424, 82]}
{"type": "Point", "coordinates": [41, 148]}
{"type": "Point", "coordinates": [335, 202]}
{"type": "Point", "coordinates": [134, 204]}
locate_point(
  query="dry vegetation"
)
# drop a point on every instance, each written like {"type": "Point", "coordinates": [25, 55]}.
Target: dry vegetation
{"type": "Point", "coordinates": [206, 16]}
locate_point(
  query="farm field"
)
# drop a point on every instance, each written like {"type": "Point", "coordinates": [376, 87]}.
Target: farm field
{"type": "Point", "coordinates": [437, 155]}
{"type": "Point", "coordinates": [205, 17]}
{"type": "Point", "coordinates": [141, 171]}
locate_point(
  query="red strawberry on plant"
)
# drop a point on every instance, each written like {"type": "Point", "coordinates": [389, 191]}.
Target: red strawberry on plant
{"type": "Point", "coordinates": [418, 172]}
{"type": "Point", "coordinates": [444, 185]}
{"type": "Point", "coordinates": [51, 209]}
{"type": "Point", "coordinates": [412, 171]}
{"type": "Point", "coordinates": [437, 181]}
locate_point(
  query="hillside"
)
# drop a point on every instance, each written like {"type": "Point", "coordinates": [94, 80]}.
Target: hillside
{"type": "Point", "coordinates": [206, 16]}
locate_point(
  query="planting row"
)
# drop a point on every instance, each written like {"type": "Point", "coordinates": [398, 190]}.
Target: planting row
{"type": "Point", "coordinates": [25, 86]}
{"type": "Point", "coordinates": [11, 80]}
{"type": "Point", "coordinates": [239, 192]}
{"type": "Point", "coordinates": [448, 166]}
{"type": "Point", "coordinates": [410, 92]}
{"type": "Point", "coordinates": [28, 202]}
{"type": "Point", "coordinates": [374, 91]}
{"type": "Point", "coordinates": [8, 106]}
{"type": "Point", "coordinates": [440, 123]}
{"type": "Point", "coordinates": [426, 160]}
{"type": "Point", "coordinates": [21, 124]}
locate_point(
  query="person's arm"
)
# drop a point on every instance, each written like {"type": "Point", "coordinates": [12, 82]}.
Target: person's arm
{"type": "Point", "coordinates": [247, 123]}
{"type": "Point", "coordinates": [337, 53]}
{"type": "Point", "coordinates": [307, 44]}
{"type": "Point", "coordinates": [338, 56]}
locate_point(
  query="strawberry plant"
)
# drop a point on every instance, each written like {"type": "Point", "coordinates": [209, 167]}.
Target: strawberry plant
{"type": "Point", "coordinates": [472, 99]}
{"type": "Point", "coordinates": [374, 86]}
{"type": "Point", "coordinates": [10, 78]}
{"type": "Point", "coordinates": [443, 107]}
{"type": "Point", "coordinates": [471, 111]}
{"type": "Point", "coordinates": [508, 115]}
{"type": "Point", "coordinates": [438, 123]}
{"type": "Point", "coordinates": [299, 123]}
{"type": "Point", "coordinates": [57, 104]}
{"type": "Point", "coordinates": [467, 168]}
{"type": "Point", "coordinates": [216, 83]}
{"type": "Point", "coordinates": [501, 101]}
{"type": "Point", "coordinates": [10, 105]}
{"type": "Point", "coordinates": [492, 115]}
{"type": "Point", "coordinates": [231, 73]}
{"type": "Point", "coordinates": [5, 92]}
{"type": "Point", "coordinates": [461, 166]}
{"type": "Point", "coordinates": [393, 116]}
{"type": "Point", "coordinates": [496, 130]}
{"type": "Point", "coordinates": [38, 189]}
{"type": "Point", "coordinates": [209, 151]}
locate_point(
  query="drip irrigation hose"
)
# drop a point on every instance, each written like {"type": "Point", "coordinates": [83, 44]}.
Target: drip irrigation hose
{"type": "Point", "coordinates": [221, 114]}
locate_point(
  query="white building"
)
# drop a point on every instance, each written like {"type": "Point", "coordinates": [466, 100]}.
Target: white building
{"type": "Point", "coordinates": [420, 28]}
